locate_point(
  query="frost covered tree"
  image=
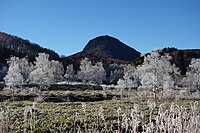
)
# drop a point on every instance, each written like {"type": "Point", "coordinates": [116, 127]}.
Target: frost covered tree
{"type": "Point", "coordinates": [42, 73]}
{"type": "Point", "coordinates": [91, 73]}
{"type": "Point", "coordinates": [99, 73]}
{"type": "Point", "coordinates": [115, 72]}
{"type": "Point", "coordinates": [156, 72]}
{"type": "Point", "coordinates": [45, 71]}
{"type": "Point", "coordinates": [58, 70]}
{"type": "Point", "coordinates": [192, 78]}
{"type": "Point", "coordinates": [85, 70]}
{"type": "Point", "coordinates": [69, 73]}
{"type": "Point", "coordinates": [130, 78]}
{"type": "Point", "coordinates": [18, 72]}
{"type": "Point", "coordinates": [14, 77]}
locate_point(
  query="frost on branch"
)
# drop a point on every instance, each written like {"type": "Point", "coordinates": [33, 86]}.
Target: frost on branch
{"type": "Point", "coordinates": [45, 71]}
{"type": "Point", "coordinates": [157, 72]}
{"type": "Point", "coordinates": [18, 72]}
{"type": "Point", "coordinates": [116, 72]}
{"type": "Point", "coordinates": [130, 78]}
{"type": "Point", "coordinates": [192, 79]}
{"type": "Point", "coordinates": [69, 73]}
{"type": "Point", "coordinates": [58, 70]}
{"type": "Point", "coordinates": [91, 73]}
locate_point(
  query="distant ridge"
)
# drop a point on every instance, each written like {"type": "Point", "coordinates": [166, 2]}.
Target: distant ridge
{"type": "Point", "coordinates": [111, 47]}
{"type": "Point", "coordinates": [15, 46]}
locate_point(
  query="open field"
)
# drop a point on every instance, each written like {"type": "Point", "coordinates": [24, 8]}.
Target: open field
{"type": "Point", "coordinates": [73, 111]}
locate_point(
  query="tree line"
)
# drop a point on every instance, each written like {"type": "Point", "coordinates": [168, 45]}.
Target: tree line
{"type": "Point", "coordinates": [154, 74]}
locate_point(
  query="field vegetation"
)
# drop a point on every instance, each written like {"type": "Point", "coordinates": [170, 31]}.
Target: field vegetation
{"type": "Point", "coordinates": [132, 111]}
{"type": "Point", "coordinates": [45, 97]}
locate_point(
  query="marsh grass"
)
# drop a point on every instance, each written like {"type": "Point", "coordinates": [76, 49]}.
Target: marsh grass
{"type": "Point", "coordinates": [104, 116]}
{"type": "Point", "coordinates": [135, 111]}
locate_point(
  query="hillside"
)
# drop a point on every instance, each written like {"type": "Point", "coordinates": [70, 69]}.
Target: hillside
{"type": "Point", "coordinates": [76, 59]}
{"type": "Point", "coordinates": [14, 46]}
{"type": "Point", "coordinates": [110, 47]}
{"type": "Point", "coordinates": [105, 49]}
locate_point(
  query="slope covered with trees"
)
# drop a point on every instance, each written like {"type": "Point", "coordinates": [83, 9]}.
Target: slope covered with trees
{"type": "Point", "coordinates": [108, 46]}
{"type": "Point", "coordinates": [14, 46]}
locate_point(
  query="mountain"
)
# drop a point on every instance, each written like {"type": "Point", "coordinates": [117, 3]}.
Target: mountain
{"type": "Point", "coordinates": [14, 46]}
{"type": "Point", "coordinates": [105, 49]}
{"type": "Point", "coordinates": [110, 47]}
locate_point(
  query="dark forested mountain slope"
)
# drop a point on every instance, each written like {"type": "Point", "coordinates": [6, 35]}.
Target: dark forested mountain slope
{"type": "Point", "coordinates": [76, 59]}
{"type": "Point", "coordinates": [107, 50]}
{"type": "Point", "coordinates": [14, 46]}
{"type": "Point", "coordinates": [110, 47]}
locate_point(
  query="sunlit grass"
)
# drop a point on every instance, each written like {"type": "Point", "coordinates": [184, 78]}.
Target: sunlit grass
{"type": "Point", "coordinates": [107, 115]}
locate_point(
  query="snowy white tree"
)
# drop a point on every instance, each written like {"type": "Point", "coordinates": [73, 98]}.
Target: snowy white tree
{"type": "Point", "coordinates": [69, 73]}
{"type": "Point", "coordinates": [130, 78]}
{"type": "Point", "coordinates": [25, 67]}
{"type": "Point", "coordinates": [99, 73]}
{"type": "Point", "coordinates": [14, 77]}
{"type": "Point", "coordinates": [156, 72]}
{"type": "Point", "coordinates": [58, 70]}
{"type": "Point", "coordinates": [115, 72]}
{"type": "Point", "coordinates": [85, 70]}
{"type": "Point", "coordinates": [45, 71]}
{"type": "Point", "coordinates": [192, 78]}
{"type": "Point", "coordinates": [18, 72]}
{"type": "Point", "coordinates": [91, 74]}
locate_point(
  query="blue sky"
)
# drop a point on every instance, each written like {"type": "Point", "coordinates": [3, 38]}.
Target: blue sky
{"type": "Point", "coordinates": [65, 26]}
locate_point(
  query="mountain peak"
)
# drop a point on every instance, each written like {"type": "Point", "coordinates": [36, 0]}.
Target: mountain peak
{"type": "Point", "coordinates": [111, 47]}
